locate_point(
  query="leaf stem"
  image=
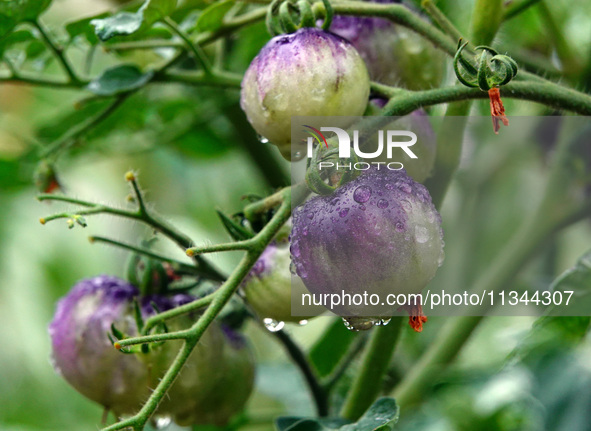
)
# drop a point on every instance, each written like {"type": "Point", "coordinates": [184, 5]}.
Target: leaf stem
{"type": "Point", "coordinates": [193, 47]}
{"type": "Point", "coordinates": [78, 131]}
{"type": "Point", "coordinates": [517, 7]}
{"type": "Point", "coordinates": [58, 51]}
{"type": "Point", "coordinates": [176, 265]}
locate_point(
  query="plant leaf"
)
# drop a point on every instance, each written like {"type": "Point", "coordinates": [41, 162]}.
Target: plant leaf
{"type": "Point", "coordinates": [212, 18]}
{"type": "Point", "coordinates": [382, 416]}
{"type": "Point", "coordinates": [235, 229]}
{"type": "Point", "coordinates": [558, 332]}
{"type": "Point", "coordinates": [119, 79]}
{"type": "Point", "coordinates": [83, 27]}
{"type": "Point", "coordinates": [126, 23]}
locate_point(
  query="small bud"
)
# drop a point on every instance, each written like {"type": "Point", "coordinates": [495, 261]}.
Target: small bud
{"type": "Point", "coordinates": [190, 252]}
{"type": "Point", "coordinates": [70, 223]}
{"type": "Point", "coordinates": [130, 176]}
{"type": "Point", "coordinates": [42, 220]}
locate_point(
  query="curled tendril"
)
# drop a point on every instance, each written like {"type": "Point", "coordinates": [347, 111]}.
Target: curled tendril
{"type": "Point", "coordinates": [316, 179]}
{"type": "Point", "coordinates": [288, 16]}
{"type": "Point", "coordinates": [493, 69]}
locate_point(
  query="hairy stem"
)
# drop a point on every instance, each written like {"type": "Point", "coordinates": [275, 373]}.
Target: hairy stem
{"type": "Point", "coordinates": [218, 301]}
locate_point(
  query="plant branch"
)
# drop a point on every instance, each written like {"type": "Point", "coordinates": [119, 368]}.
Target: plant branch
{"type": "Point", "coordinates": [193, 47]}
{"type": "Point", "coordinates": [58, 52]}
{"type": "Point", "coordinates": [404, 102]}
{"type": "Point", "coordinates": [77, 132]}
{"type": "Point", "coordinates": [193, 335]}
{"type": "Point", "coordinates": [354, 349]}
{"type": "Point", "coordinates": [144, 216]}
{"type": "Point", "coordinates": [368, 383]}
{"type": "Point", "coordinates": [175, 264]}
{"type": "Point", "coordinates": [517, 7]}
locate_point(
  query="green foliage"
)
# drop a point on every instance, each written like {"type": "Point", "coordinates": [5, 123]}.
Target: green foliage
{"type": "Point", "coordinates": [212, 18]}
{"type": "Point", "coordinates": [381, 416]}
{"type": "Point", "coordinates": [119, 79]}
{"type": "Point", "coordinates": [126, 23]}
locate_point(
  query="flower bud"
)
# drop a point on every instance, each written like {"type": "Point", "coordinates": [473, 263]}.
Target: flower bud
{"type": "Point", "coordinates": [308, 73]}
{"type": "Point", "coordinates": [379, 234]}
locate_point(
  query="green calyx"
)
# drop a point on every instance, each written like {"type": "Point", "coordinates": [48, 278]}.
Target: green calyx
{"type": "Point", "coordinates": [492, 71]}
{"type": "Point", "coordinates": [288, 16]}
{"type": "Point", "coordinates": [316, 179]}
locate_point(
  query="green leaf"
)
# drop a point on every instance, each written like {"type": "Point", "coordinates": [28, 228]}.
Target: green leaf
{"type": "Point", "coordinates": [578, 280]}
{"type": "Point", "coordinates": [552, 331]}
{"type": "Point", "coordinates": [234, 228]}
{"type": "Point", "coordinates": [119, 79]}
{"type": "Point", "coordinates": [122, 24]}
{"type": "Point", "coordinates": [382, 416]}
{"type": "Point", "coordinates": [330, 348]}
{"type": "Point", "coordinates": [155, 10]}
{"type": "Point", "coordinates": [126, 23]}
{"type": "Point", "coordinates": [83, 27]}
{"type": "Point", "coordinates": [212, 18]}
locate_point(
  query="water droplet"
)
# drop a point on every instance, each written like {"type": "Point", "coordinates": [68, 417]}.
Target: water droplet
{"type": "Point", "coordinates": [406, 205]}
{"type": "Point", "coordinates": [357, 324]}
{"type": "Point", "coordinates": [162, 422]}
{"type": "Point", "coordinates": [292, 268]}
{"type": "Point", "coordinates": [295, 249]}
{"type": "Point", "coordinates": [383, 203]}
{"type": "Point", "coordinates": [386, 321]}
{"type": "Point", "coordinates": [399, 227]}
{"type": "Point", "coordinates": [405, 188]}
{"type": "Point", "coordinates": [362, 194]}
{"type": "Point", "coordinates": [430, 216]}
{"type": "Point", "coordinates": [344, 212]}
{"type": "Point", "coordinates": [441, 258]}
{"type": "Point", "coordinates": [273, 325]}
{"type": "Point", "coordinates": [421, 234]}
{"type": "Point", "coordinates": [310, 215]}
{"type": "Point", "coordinates": [262, 139]}
{"type": "Point", "coordinates": [303, 322]}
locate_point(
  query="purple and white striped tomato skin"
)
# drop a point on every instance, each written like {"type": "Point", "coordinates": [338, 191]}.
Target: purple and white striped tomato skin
{"type": "Point", "coordinates": [379, 234]}
{"type": "Point", "coordinates": [307, 73]}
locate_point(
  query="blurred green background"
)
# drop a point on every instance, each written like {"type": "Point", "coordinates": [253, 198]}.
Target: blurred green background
{"type": "Point", "coordinates": [194, 153]}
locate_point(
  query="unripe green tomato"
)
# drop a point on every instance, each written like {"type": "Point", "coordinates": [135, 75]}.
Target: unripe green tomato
{"type": "Point", "coordinates": [217, 384]}
{"type": "Point", "coordinates": [268, 286]}
{"type": "Point", "coordinates": [308, 73]}
{"type": "Point", "coordinates": [394, 54]}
